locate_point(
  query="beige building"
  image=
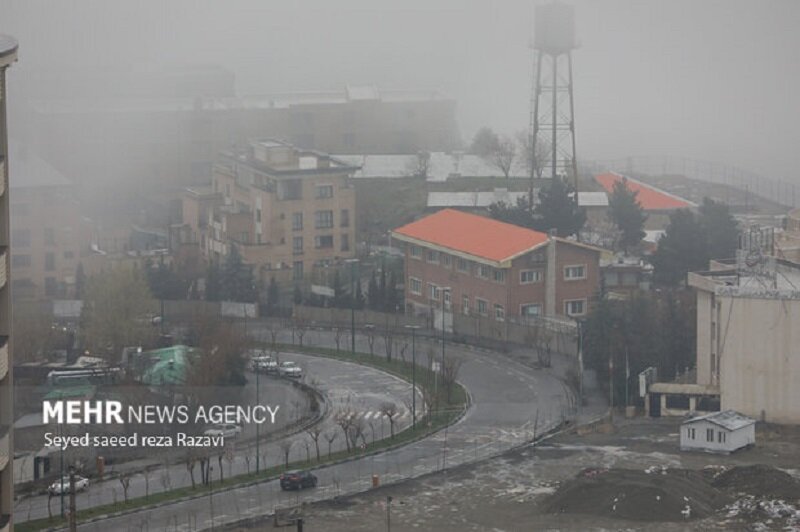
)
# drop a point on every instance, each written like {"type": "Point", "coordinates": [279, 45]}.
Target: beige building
{"type": "Point", "coordinates": [49, 235]}
{"type": "Point", "coordinates": [288, 211]}
{"type": "Point", "coordinates": [8, 54]}
{"type": "Point", "coordinates": [748, 337]}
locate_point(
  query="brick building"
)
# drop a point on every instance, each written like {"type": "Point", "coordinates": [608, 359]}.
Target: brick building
{"type": "Point", "coordinates": [477, 265]}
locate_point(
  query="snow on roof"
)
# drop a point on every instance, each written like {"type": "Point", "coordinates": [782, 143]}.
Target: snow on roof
{"type": "Point", "coordinates": [728, 419]}
{"type": "Point", "coordinates": [362, 92]}
{"type": "Point", "coordinates": [441, 166]}
{"type": "Point", "coordinates": [28, 170]}
{"type": "Point", "coordinates": [649, 197]}
{"type": "Point", "coordinates": [471, 234]}
{"type": "Point", "coordinates": [474, 199]}
{"type": "Point", "coordinates": [592, 199]}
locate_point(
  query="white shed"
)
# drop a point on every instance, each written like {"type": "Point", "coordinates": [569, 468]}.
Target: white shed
{"type": "Point", "coordinates": [718, 432]}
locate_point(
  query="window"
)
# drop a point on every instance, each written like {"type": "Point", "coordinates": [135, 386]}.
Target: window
{"type": "Point", "coordinates": [572, 273]}
{"type": "Point", "coordinates": [324, 191]}
{"type": "Point", "coordinates": [323, 241]}
{"type": "Point", "coordinates": [50, 286]}
{"type": "Point", "coordinates": [483, 306]}
{"type": "Point", "coordinates": [432, 256]}
{"type": "Point", "coordinates": [447, 260]}
{"type": "Point", "coordinates": [415, 285]}
{"type": "Point", "coordinates": [446, 296]}
{"type": "Point", "coordinates": [291, 189]}
{"type": "Point", "coordinates": [710, 435]}
{"type": "Point", "coordinates": [499, 312]}
{"type": "Point", "coordinates": [482, 270]}
{"type": "Point", "coordinates": [530, 276]}
{"type": "Point", "coordinates": [690, 433]}
{"type": "Point", "coordinates": [297, 221]}
{"type": "Point", "coordinates": [530, 309]}
{"type": "Point", "coordinates": [345, 242]}
{"type": "Point", "coordinates": [499, 276]}
{"type": "Point", "coordinates": [463, 265]}
{"type": "Point", "coordinates": [415, 252]}
{"type": "Point", "coordinates": [297, 270]}
{"type": "Point", "coordinates": [465, 304]}
{"type": "Point", "coordinates": [344, 218]}
{"type": "Point", "coordinates": [49, 236]}
{"type": "Point", "coordinates": [21, 238]}
{"type": "Point", "coordinates": [433, 291]}
{"type": "Point", "coordinates": [258, 216]}
{"type": "Point", "coordinates": [720, 437]}
{"type": "Point", "coordinates": [297, 245]}
{"type": "Point", "coordinates": [575, 307]}
{"type": "Point", "coordinates": [20, 260]}
{"type": "Point", "coordinates": [323, 219]}
{"type": "Point", "coordinates": [49, 261]}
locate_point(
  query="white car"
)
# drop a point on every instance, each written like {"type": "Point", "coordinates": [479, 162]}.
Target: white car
{"type": "Point", "coordinates": [290, 369]}
{"type": "Point", "coordinates": [265, 365]}
{"type": "Point", "coordinates": [226, 431]}
{"type": "Point", "coordinates": [62, 486]}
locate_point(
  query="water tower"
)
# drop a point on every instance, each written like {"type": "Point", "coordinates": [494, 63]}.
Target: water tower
{"type": "Point", "coordinates": [552, 120]}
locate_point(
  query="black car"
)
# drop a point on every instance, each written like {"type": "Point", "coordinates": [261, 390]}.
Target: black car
{"type": "Point", "coordinates": [297, 480]}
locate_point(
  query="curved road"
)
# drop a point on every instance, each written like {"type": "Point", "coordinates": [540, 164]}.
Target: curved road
{"type": "Point", "coordinates": [509, 402]}
{"type": "Point", "coordinates": [345, 385]}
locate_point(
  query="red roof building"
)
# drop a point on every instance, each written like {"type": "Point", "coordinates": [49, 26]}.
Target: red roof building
{"type": "Point", "coordinates": [471, 264]}
{"type": "Point", "coordinates": [650, 197]}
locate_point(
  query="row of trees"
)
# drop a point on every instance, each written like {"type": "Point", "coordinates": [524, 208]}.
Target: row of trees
{"type": "Point", "coordinates": [502, 151]}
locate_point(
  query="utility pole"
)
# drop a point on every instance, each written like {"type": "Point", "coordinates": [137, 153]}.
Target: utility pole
{"type": "Point", "coordinates": [258, 432]}
{"type": "Point", "coordinates": [441, 368]}
{"type": "Point", "coordinates": [353, 263]}
{"type": "Point", "coordinates": [388, 513]}
{"type": "Point", "coordinates": [413, 375]}
{"type": "Point", "coordinates": [73, 521]}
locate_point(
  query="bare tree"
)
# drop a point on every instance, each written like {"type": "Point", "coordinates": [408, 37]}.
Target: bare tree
{"type": "Point", "coordinates": [125, 480]}
{"type": "Point", "coordinates": [451, 366]}
{"type": "Point", "coordinates": [536, 158]}
{"type": "Point", "coordinates": [338, 334]}
{"type": "Point", "coordinates": [370, 332]}
{"type": "Point", "coordinates": [388, 343]}
{"type": "Point", "coordinates": [391, 412]}
{"type": "Point", "coordinates": [344, 418]}
{"type": "Point", "coordinates": [541, 338]}
{"type": "Point", "coordinates": [403, 349]}
{"type": "Point", "coordinates": [314, 433]}
{"type": "Point", "coordinates": [355, 431]}
{"type": "Point", "coordinates": [300, 329]}
{"type": "Point", "coordinates": [504, 155]}
{"type": "Point", "coordinates": [286, 448]}
{"type": "Point", "coordinates": [330, 436]}
{"type": "Point", "coordinates": [419, 166]}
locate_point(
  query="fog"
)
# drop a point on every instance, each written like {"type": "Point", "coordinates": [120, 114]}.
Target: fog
{"type": "Point", "coordinates": [715, 80]}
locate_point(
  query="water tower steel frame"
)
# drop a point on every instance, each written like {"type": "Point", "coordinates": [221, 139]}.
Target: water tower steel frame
{"type": "Point", "coordinates": [552, 114]}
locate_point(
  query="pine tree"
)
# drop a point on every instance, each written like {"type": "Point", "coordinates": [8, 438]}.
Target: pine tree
{"type": "Point", "coordinates": [720, 228]}
{"type": "Point", "coordinates": [627, 214]}
{"type": "Point", "coordinates": [682, 249]}
{"type": "Point", "coordinates": [237, 279]}
{"type": "Point", "coordinates": [558, 209]}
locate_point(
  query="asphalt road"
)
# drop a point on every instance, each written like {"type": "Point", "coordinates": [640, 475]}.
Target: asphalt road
{"type": "Point", "coordinates": [346, 386]}
{"type": "Point", "coordinates": [509, 403]}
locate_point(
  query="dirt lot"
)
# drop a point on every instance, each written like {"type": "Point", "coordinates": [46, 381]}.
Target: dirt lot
{"type": "Point", "coordinates": [631, 478]}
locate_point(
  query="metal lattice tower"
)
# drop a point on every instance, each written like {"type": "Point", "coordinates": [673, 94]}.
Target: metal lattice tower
{"type": "Point", "coordinates": [552, 118]}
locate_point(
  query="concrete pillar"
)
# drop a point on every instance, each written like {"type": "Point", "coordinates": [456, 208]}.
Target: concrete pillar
{"type": "Point", "coordinates": [663, 404]}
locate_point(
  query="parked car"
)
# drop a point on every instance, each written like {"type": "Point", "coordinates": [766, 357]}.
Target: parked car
{"type": "Point", "coordinates": [267, 365]}
{"type": "Point", "coordinates": [226, 430]}
{"type": "Point", "coordinates": [62, 485]}
{"type": "Point", "coordinates": [290, 369]}
{"type": "Point", "coordinates": [297, 480]}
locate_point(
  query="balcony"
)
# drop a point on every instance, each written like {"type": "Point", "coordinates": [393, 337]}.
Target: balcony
{"type": "Point", "coordinates": [3, 272]}
{"type": "Point", "coordinates": [5, 452]}
{"type": "Point", "coordinates": [3, 358]}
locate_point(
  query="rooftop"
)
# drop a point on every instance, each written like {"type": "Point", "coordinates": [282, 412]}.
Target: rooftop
{"type": "Point", "coordinates": [474, 199]}
{"type": "Point", "coordinates": [649, 197]}
{"type": "Point", "coordinates": [8, 50]}
{"type": "Point", "coordinates": [728, 419]}
{"type": "Point", "coordinates": [28, 170]}
{"type": "Point", "coordinates": [471, 234]}
{"type": "Point", "coordinates": [441, 166]}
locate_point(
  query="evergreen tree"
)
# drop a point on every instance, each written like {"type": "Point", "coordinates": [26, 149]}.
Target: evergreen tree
{"type": "Point", "coordinates": [519, 214]}
{"type": "Point", "coordinates": [273, 296]}
{"type": "Point", "coordinates": [720, 228]}
{"type": "Point", "coordinates": [237, 279]}
{"type": "Point", "coordinates": [213, 283]}
{"type": "Point", "coordinates": [627, 214]}
{"type": "Point", "coordinates": [558, 209]}
{"type": "Point", "coordinates": [683, 248]}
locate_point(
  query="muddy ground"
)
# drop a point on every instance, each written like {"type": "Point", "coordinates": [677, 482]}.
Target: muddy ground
{"type": "Point", "coordinates": [630, 478]}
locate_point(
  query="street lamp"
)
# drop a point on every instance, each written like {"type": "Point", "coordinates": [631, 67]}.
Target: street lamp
{"type": "Point", "coordinates": [353, 263]}
{"type": "Point", "coordinates": [444, 290]}
{"type": "Point", "coordinates": [413, 375]}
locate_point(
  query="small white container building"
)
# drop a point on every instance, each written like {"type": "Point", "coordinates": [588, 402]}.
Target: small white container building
{"type": "Point", "coordinates": [718, 432]}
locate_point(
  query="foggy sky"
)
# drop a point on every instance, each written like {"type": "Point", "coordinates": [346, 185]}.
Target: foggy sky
{"type": "Point", "coordinates": [715, 79]}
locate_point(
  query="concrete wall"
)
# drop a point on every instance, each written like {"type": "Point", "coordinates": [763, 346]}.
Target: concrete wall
{"type": "Point", "coordinates": [760, 357]}
{"type": "Point", "coordinates": [735, 439]}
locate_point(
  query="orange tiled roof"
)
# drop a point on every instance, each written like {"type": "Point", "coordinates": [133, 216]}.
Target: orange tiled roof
{"type": "Point", "coordinates": [650, 198]}
{"type": "Point", "coordinates": [472, 234]}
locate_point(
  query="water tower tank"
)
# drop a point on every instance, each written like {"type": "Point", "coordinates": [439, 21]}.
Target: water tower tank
{"type": "Point", "coordinates": [554, 28]}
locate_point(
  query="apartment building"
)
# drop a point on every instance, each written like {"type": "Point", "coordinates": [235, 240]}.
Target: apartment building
{"type": "Point", "coordinates": [49, 235]}
{"type": "Point", "coordinates": [8, 54]}
{"type": "Point", "coordinates": [477, 265]}
{"type": "Point", "coordinates": [287, 210]}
